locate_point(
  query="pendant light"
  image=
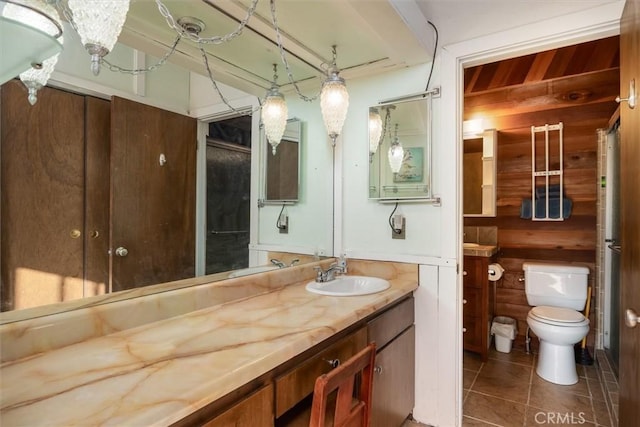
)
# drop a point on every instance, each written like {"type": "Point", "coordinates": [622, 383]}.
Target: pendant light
{"type": "Point", "coordinates": [334, 101]}
{"type": "Point", "coordinates": [274, 113]}
{"type": "Point", "coordinates": [396, 153]}
{"type": "Point", "coordinates": [375, 131]}
{"type": "Point", "coordinates": [99, 23]}
{"type": "Point", "coordinates": [31, 32]}
{"type": "Point", "coordinates": [38, 75]}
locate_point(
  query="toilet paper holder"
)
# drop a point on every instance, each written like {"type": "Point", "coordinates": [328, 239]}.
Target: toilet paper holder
{"type": "Point", "coordinates": [495, 271]}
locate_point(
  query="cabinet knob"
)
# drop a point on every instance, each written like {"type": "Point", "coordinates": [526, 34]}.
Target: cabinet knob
{"type": "Point", "coordinates": [464, 272]}
{"type": "Point", "coordinates": [333, 362]}
{"type": "Point", "coordinates": [464, 301]}
{"type": "Point", "coordinates": [464, 330]}
{"type": "Point", "coordinates": [377, 369]}
{"type": "Point", "coordinates": [122, 251]}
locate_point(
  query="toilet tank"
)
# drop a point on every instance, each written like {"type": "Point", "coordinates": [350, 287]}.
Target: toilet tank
{"type": "Point", "coordinates": [556, 285]}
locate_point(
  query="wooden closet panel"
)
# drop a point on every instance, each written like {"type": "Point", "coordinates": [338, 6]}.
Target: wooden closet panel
{"type": "Point", "coordinates": [98, 147]}
{"type": "Point", "coordinates": [152, 205]}
{"type": "Point", "coordinates": [42, 186]}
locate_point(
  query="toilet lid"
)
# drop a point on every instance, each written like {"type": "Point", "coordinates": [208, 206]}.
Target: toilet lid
{"type": "Point", "coordinates": [557, 314]}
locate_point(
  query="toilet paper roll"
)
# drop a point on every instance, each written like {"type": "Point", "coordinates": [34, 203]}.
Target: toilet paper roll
{"type": "Point", "coordinates": [495, 272]}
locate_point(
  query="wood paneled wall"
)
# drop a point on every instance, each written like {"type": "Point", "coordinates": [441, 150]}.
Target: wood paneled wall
{"type": "Point", "coordinates": [575, 85]}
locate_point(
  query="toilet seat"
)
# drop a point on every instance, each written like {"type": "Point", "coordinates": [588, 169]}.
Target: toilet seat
{"type": "Point", "coordinates": [558, 316]}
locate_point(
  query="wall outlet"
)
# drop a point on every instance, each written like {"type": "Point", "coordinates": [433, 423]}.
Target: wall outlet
{"type": "Point", "coordinates": [399, 224]}
{"type": "Point", "coordinates": [283, 224]}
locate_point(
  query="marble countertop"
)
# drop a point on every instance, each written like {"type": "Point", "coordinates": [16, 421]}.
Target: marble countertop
{"type": "Point", "coordinates": [161, 372]}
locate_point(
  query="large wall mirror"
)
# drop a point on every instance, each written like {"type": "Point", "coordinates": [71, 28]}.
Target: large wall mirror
{"type": "Point", "coordinates": [65, 256]}
{"type": "Point", "coordinates": [479, 170]}
{"type": "Point", "coordinates": [400, 150]}
{"type": "Point", "coordinates": [281, 166]}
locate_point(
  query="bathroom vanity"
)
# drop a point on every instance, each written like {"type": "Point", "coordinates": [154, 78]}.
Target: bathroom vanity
{"type": "Point", "coordinates": [250, 361]}
{"type": "Point", "coordinates": [478, 300]}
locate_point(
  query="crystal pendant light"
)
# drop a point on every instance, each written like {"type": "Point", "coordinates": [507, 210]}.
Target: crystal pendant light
{"type": "Point", "coordinates": [98, 23]}
{"type": "Point", "coordinates": [375, 131]}
{"type": "Point", "coordinates": [38, 75]}
{"type": "Point", "coordinates": [334, 101]}
{"type": "Point", "coordinates": [274, 114]}
{"type": "Point", "coordinates": [31, 32]}
{"type": "Point", "coordinates": [396, 153]}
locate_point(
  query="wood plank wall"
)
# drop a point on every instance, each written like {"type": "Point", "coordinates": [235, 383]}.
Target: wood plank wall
{"type": "Point", "coordinates": [575, 85]}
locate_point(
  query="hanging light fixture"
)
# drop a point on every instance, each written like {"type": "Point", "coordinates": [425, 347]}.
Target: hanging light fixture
{"type": "Point", "coordinates": [375, 131]}
{"type": "Point", "coordinates": [31, 33]}
{"type": "Point", "coordinates": [396, 153]}
{"type": "Point", "coordinates": [274, 113]}
{"type": "Point", "coordinates": [98, 22]}
{"type": "Point", "coordinates": [38, 75]}
{"type": "Point", "coordinates": [334, 101]}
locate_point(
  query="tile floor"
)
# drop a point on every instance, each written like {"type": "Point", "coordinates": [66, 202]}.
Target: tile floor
{"type": "Point", "coordinates": [505, 391]}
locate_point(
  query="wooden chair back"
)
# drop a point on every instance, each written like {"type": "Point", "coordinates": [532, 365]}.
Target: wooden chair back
{"type": "Point", "coordinates": [349, 412]}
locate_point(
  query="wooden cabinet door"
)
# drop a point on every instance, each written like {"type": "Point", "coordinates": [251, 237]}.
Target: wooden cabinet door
{"type": "Point", "coordinates": [42, 189]}
{"type": "Point", "coordinates": [153, 180]}
{"type": "Point", "coordinates": [394, 382]}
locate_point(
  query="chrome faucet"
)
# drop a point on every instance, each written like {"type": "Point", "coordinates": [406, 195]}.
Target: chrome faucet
{"type": "Point", "coordinates": [278, 263]}
{"type": "Point", "coordinates": [328, 275]}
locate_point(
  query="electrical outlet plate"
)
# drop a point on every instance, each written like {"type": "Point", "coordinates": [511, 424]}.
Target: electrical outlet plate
{"type": "Point", "coordinates": [399, 222]}
{"type": "Point", "coordinates": [283, 224]}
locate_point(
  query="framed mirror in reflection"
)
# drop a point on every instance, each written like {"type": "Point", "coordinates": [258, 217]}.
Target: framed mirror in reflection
{"type": "Point", "coordinates": [479, 174]}
{"type": "Point", "coordinates": [400, 150]}
{"type": "Point", "coordinates": [281, 169]}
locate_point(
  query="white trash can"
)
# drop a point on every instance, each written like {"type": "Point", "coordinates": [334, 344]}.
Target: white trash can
{"type": "Point", "coordinates": [504, 329]}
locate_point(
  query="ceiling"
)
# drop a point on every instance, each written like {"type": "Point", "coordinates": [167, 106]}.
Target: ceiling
{"type": "Point", "coordinates": [372, 36]}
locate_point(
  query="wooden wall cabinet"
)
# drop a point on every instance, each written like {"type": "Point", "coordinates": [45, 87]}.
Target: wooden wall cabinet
{"type": "Point", "coordinates": [478, 305]}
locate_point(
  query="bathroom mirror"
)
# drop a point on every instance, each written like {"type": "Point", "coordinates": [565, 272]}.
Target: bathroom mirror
{"type": "Point", "coordinates": [479, 170]}
{"type": "Point", "coordinates": [281, 169]}
{"type": "Point", "coordinates": [400, 150]}
{"type": "Point", "coordinates": [45, 120]}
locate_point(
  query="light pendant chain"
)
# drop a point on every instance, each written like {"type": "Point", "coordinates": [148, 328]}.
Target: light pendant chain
{"type": "Point", "coordinates": [219, 92]}
{"type": "Point", "coordinates": [160, 63]}
{"type": "Point", "coordinates": [274, 19]}
{"type": "Point", "coordinates": [164, 11]}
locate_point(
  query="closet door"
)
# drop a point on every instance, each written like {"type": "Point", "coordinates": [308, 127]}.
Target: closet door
{"type": "Point", "coordinates": [42, 203]}
{"type": "Point", "coordinates": [153, 176]}
{"type": "Point", "coordinates": [96, 235]}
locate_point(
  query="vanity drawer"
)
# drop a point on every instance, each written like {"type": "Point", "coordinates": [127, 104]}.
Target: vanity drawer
{"type": "Point", "coordinates": [475, 271]}
{"type": "Point", "coordinates": [472, 333]}
{"type": "Point", "coordinates": [298, 383]}
{"type": "Point", "coordinates": [391, 323]}
{"type": "Point", "coordinates": [472, 302]}
{"type": "Point", "coordinates": [255, 410]}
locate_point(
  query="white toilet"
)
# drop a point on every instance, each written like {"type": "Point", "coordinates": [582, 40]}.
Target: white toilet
{"type": "Point", "coordinates": [557, 293]}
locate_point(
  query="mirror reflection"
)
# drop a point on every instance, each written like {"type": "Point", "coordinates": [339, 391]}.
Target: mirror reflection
{"type": "Point", "coordinates": [400, 150]}
{"type": "Point", "coordinates": [479, 170]}
{"type": "Point", "coordinates": [86, 213]}
{"type": "Point", "coordinates": [281, 168]}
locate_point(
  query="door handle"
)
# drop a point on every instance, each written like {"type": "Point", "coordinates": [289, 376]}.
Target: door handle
{"type": "Point", "coordinates": [632, 95]}
{"type": "Point", "coordinates": [121, 251]}
{"type": "Point", "coordinates": [631, 318]}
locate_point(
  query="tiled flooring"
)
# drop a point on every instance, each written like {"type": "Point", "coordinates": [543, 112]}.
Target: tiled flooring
{"type": "Point", "coordinates": [506, 391]}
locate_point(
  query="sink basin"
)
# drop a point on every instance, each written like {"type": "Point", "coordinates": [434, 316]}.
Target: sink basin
{"type": "Point", "coordinates": [470, 245]}
{"type": "Point", "coordinates": [345, 286]}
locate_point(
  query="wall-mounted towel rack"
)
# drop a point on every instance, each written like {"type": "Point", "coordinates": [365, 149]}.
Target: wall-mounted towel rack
{"type": "Point", "coordinates": [544, 176]}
